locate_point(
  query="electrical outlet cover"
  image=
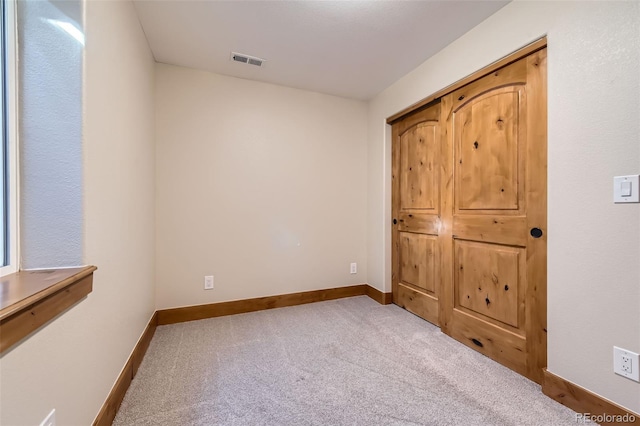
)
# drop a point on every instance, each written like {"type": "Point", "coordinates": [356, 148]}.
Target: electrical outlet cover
{"type": "Point", "coordinates": [626, 363]}
{"type": "Point", "coordinates": [208, 282]}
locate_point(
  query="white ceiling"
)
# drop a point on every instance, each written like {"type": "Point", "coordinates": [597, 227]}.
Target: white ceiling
{"type": "Point", "coordinates": [353, 49]}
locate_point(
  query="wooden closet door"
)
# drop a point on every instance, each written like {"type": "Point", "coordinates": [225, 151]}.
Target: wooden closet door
{"type": "Point", "coordinates": [416, 212]}
{"type": "Point", "coordinates": [493, 279]}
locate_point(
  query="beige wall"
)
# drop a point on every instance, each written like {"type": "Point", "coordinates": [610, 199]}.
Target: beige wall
{"type": "Point", "coordinates": [72, 363]}
{"type": "Point", "coordinates": [594, 134]}
{"type": "Point", "coordinates": [277, 190]}
{"type": "Point", "coordinates": [262, 186]}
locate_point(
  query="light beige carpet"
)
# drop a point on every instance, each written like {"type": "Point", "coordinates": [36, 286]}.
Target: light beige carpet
{"type": "Point", "coordinates": [343, 362]}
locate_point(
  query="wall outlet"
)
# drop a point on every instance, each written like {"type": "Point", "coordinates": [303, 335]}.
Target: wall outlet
{"type": "Point", "coordinates": [208, 282]}
{"type": "Point", "coordinates": [50, 420]}
{"type": "Point", "coordinates": [626, 363]}
{"type": "Point", "coordinates": [354, 268]}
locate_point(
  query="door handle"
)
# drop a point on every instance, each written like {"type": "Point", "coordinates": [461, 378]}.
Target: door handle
{"type": "Point", "coordinates": [536, 232]}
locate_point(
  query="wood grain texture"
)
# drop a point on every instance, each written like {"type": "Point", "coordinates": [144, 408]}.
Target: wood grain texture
{"type": "Point", "coordinates": [143, 343]}
{"type": "Point", "coordinates": [505, 347]}
{"type": "Point", "coordinates": [416, 182]}
{"type": "Point", "coordinates": [417, 302]}
{"type": "Point", "coordinates": [510, 230]}
{"type": "Point", "coordinates": [489, 140]}
{"type": "Point", "coordinates": [192, 313]}
{"type": "Point", "coordinates": [496, 131]}
{"type": "Point", "coordinates": [486, 147]}
{"type": "Point", "coordinates": [418, 223]}
{"type": "Point", "coordinates": [24, 288]}
{"type": "Point", "coordinates": [378, 296]}
{"type": "Point", "coordinates": [583, 401]}
{"type": "Point", "coordinates": [533, 47]}
{"type": "Point", "coordinates": [425, 113]}
{"type": "Point", "coordinates": [39, 309]}
{"type": "Point", "coordinates": [536, 177]}
{"type": "Point", "coordinates": [417, 260]}
{"type": "Point", "coordinates": [445, 234]}
{"type": "Point", "coordinates": [111, 405]}
{"type": "Point", "coordinates": [488, 281]}
{"type": "Point", "coordinates": [395, 209]}
{"type": "Point", "coordinates": [418, 147]}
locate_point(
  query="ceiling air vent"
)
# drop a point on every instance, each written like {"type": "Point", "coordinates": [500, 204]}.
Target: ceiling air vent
{"type": "Point", "coordinates": [247, 59]}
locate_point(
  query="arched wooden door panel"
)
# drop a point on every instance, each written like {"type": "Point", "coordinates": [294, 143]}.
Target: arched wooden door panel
{"type": "Point", "coordinates": [494, 284]}
{"type": "Point", "coordinates": [416, 211]}
{"type": "Point", "coordinates": [469, 209]}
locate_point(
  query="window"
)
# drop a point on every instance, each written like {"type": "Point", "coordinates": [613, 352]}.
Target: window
{"type": "Point", "coordinates": [50, 52]}
{"type": "Point", "coordinates": [49, 153]}
{"type": "Point", "coordinates": [8, 151]}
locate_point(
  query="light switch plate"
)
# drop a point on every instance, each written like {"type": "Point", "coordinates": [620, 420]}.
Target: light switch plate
{"type": "Point", "coordinates": [622, 183]}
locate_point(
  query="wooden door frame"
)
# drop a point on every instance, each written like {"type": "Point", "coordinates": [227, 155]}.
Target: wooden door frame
{"type": "Point", "coordinates": [536, 318]}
